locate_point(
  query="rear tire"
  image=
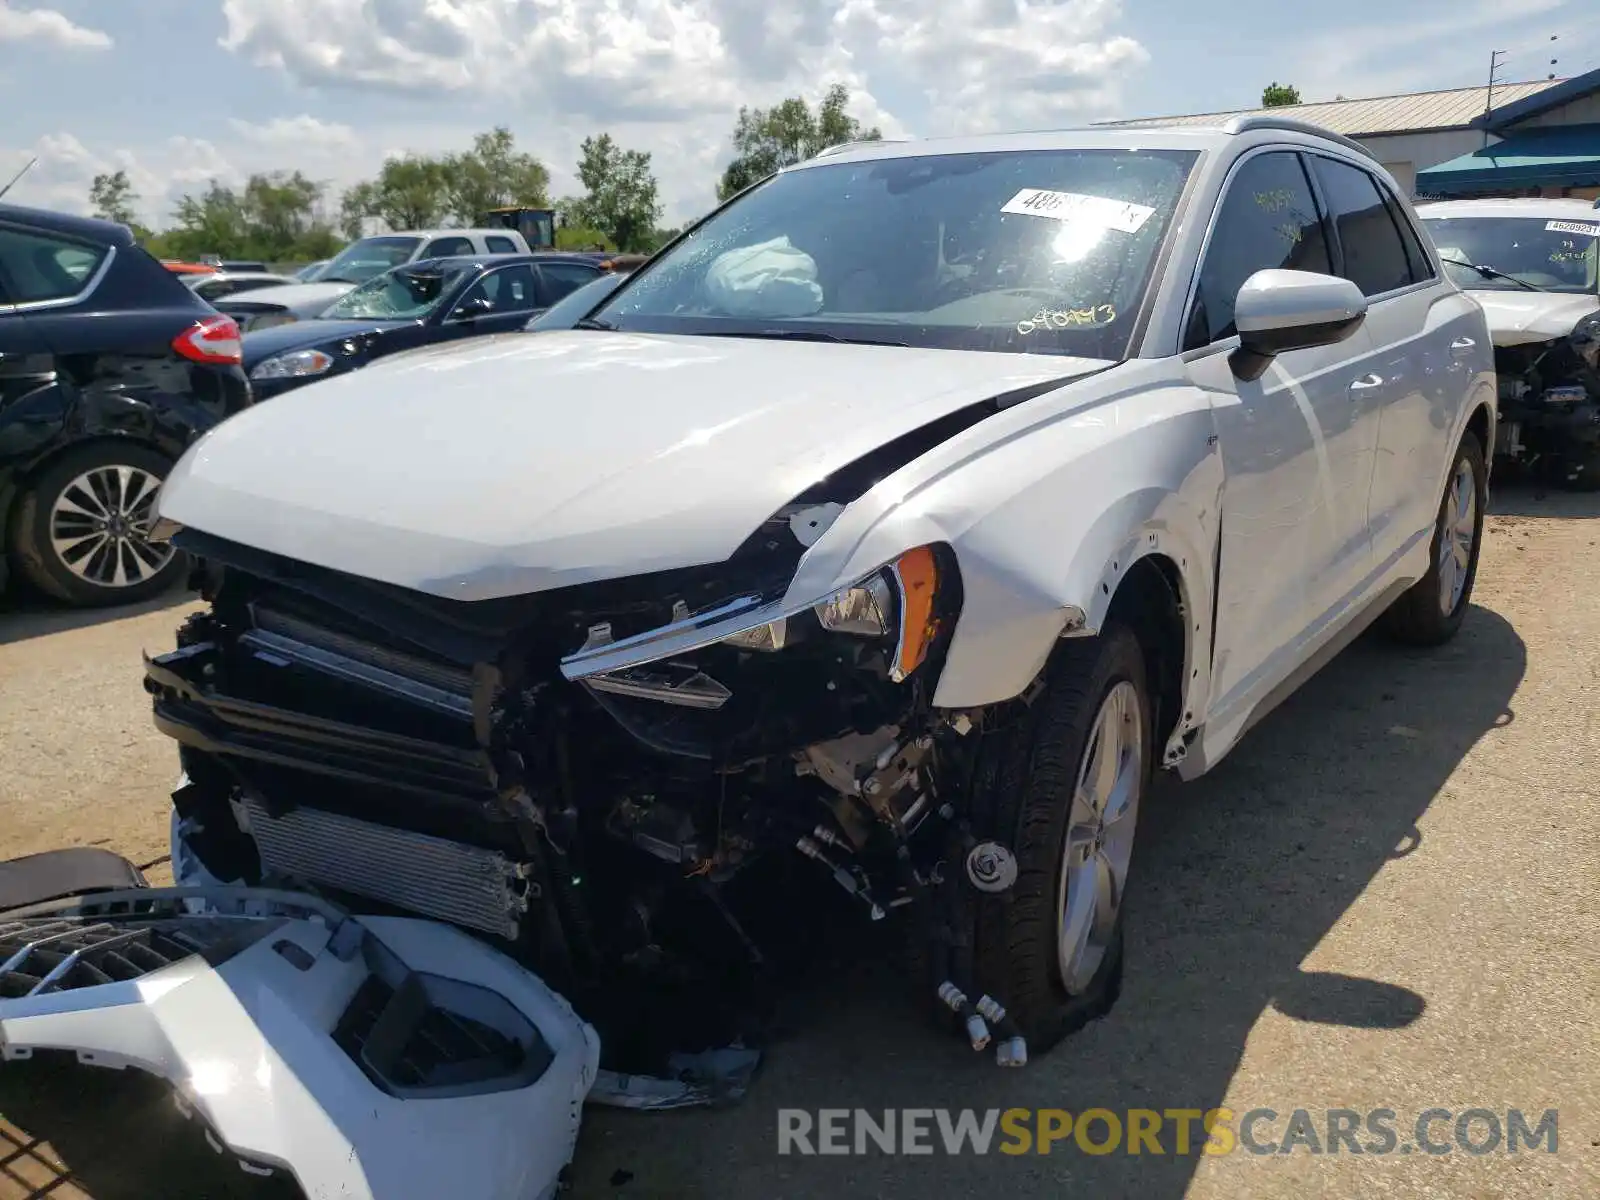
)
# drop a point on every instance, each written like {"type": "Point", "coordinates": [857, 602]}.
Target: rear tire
{"type": "Point", "coordinates": [82, 528]}
{"type": "Point", "coordinates": [1062, 788]}
{"type": "Point", "coordinates": [1431, 611]}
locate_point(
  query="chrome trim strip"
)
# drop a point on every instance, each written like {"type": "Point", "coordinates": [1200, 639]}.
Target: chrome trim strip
{"type": "Point", "coordinates": [698, 691]}
{"type": "Point", "coordinates": [83, 293]}
{"type": "Point", "coordinates": [679, 637]}
{"type": "Point", "coordinates": [355, 671]}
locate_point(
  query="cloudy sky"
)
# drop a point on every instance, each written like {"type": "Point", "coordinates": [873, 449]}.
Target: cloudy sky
{"type": "Point", "coordinates": [181, 91]}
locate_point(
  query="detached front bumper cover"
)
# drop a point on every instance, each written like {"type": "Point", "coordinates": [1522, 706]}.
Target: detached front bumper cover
{"type": "Point", "coordinates": [385, 1057]}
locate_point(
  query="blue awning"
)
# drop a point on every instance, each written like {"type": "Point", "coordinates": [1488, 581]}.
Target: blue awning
{"type": "Point", "coordinates": [1557, 156]}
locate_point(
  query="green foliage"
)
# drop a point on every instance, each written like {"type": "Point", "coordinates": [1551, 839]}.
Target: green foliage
{"type": "Point", "coordinates": [493, 174]}
{"type": "Point", "coordinates": [282, 216]}
{"type": "Point", "coordinates": [274, 217]}
{"type": "Point", "coordinates": [579, 237]}
{"type": "Point", "coordinates": [766, 140]}
{"type": "Point", "coordinates": [1276, 95]}
{"type": "Point", "coordinates": [621, 197]}
{"type": "Point", "coordinates": [112, 197]}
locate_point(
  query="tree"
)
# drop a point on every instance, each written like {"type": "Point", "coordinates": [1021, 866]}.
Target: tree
{"type": "Point", "coordinates": [765, 140]}
{"type": "Point", "coordinates": [621, 198]}
{"type": "Point", "coordinates": [1276, 95]}
{"type": "Point", "coordinates": [112, 197]}
{"type": "Point", "coordinates": [494, 174]}
{"type": "Point", "coordinates": [210, 223]}
{"type": "Point", "coordinates": [410, 192]}
{"type": "Point", "coordinates": [279, 212]}
{"type": "Point", "coordinates": [355, 206]}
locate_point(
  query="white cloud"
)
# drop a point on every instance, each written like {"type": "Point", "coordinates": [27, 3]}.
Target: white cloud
{"type": "Point", "coordinates": [159, 175]}
{"type": "Point", "coordinates": [668, 76]}
{"type": "Point", "coordinates": [300, 135]}
{"type": "Point", "coordinates": [47, 25]}
{"type": "Point", "coordinates": [978, 63]}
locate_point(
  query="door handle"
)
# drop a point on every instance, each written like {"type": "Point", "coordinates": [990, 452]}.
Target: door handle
{"type": "Point", "coordinates": [1364, 385]}
{"type": "Point", "coordinates": [1461, 345]}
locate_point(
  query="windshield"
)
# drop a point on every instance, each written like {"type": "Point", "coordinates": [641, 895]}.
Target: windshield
{"type": "Point", "coordinates": [1552, 255]}
{"type": "Point", "coordinates": [406, 293]}
{"type": "Point", "coordinates": [572, 307]}
{"type": "Point", "coordinates": [360, 261]}
{"type": "Point", "coordinates": [1045, 251]}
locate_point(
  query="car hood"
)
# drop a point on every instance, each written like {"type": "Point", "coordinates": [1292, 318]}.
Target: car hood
{"type": "Point", "coordinates": [278, 339]}
{"type": "Point", "coordinates": [522, 464]}
{"type": "Point", "coordinates": [1518, 317]}
{"type": "Point", "coordinates": [302, 299]}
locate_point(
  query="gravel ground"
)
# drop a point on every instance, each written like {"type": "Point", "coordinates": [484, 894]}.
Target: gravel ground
{"type": "Point", "coordinates": [1388, 897]}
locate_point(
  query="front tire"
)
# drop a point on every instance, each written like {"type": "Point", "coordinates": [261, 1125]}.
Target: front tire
{"type": "Point", "coordinates": [82, 533]}
{"type": "Point", "coordinates": [1062, 787]}
{"type": "Point", "coordinates": [1431, 611]}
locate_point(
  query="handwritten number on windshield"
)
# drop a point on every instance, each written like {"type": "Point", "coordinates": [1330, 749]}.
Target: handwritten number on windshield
{"type": "Point", "coordinates": [1094, 317]}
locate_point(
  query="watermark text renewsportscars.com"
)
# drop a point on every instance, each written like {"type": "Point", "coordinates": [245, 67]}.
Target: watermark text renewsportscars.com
{"type": "Point", "coordinates": [1175, 1131]}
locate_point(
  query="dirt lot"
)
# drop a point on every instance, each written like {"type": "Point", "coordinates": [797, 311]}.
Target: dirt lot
{"type": "Point", "coordinates": [1389, 896]}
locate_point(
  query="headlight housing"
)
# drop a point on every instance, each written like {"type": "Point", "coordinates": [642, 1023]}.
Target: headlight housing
{"type": "Point", "coordinates": [896, 601]}
{"type": "Point", "coordinates": [296, 364]}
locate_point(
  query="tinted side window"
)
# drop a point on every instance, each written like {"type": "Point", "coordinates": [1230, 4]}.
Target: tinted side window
{"type": "Point", "coordinates": [563, 278]}
{"type": "Point", "coordinates": [38, 266]}
{"type": "Point", "coordinates": [440, 247]}
{"type": "Point", "coordinates": [1374, 256]}
{"type": "Point", "coordinates": [500, 245]}
{"type": "Point", "coordinates": [1416, 256]}
{"type": "Point", "coordinates": [508, 290]}
{"type": "Point", "coordinates": [1267, 220]}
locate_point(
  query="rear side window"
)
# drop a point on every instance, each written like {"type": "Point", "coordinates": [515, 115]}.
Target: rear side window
{"type": "Point", "coordinates": [500, 245]}
{"type": "Point", "coordinates": [440, 247]}
{"type": "Point", "coordinates": [563, 278]}
{"type": "Point", "coordinates": [1374, 256]}
{"type": "Point", "coordinates": [1267, 220]}
{"type": "Point", "coordinates": [36, 266]}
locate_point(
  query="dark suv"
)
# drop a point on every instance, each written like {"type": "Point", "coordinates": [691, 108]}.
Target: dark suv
{"type": "Point", "coordinates": [109, 368]}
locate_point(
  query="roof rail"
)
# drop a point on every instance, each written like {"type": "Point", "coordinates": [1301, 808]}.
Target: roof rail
{"type": "Point", "coordinates": [840, 147]}
{"type": "Point", "coordinates": [1290, 124]}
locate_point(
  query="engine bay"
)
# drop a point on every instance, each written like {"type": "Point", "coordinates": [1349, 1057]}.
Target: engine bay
{"type": "Point", "coordinates": [653, 840]}
{"type": "Point", "coordinates": [1549, 405]}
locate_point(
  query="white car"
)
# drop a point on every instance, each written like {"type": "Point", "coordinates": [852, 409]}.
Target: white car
{"type": "Point", "coordinates": [1534, 265]}
{"type": "Point", "coordinates": [904, 517]}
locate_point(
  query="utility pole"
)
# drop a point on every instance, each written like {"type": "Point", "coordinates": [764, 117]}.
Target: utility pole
{"type": "Point", "coordinates": [1488, 100]}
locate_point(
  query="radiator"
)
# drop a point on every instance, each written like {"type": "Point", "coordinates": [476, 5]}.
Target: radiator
{"type": "Point", "coordinates": [432, 877]}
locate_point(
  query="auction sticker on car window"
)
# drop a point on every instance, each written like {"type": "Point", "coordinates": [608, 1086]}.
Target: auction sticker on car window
{"type": "Point", "coordinates": [1072, 206]}
{"type": "Point", "coordinates": [1582, 227]}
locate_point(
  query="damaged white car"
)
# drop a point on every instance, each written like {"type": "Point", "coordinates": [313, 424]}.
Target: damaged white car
{"type": "Point", "coordinates": [1534, 265]}
{"type": "Point", "coordinates": [885, 533]}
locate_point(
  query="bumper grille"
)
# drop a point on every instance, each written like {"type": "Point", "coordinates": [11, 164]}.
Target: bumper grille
{"type": "Point", "coordinates": [45, 955]}
{"type": "Point", "coordinates": [451, 881]}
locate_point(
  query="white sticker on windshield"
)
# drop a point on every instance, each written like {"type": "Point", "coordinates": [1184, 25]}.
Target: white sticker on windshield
{"type": "Point", "coordinates": [1573, 227]}
{"type": "Point", "coordinates": [1070, 206]}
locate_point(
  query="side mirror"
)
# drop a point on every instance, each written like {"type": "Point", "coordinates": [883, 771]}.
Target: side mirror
{"type": "Point", "coordinates": [471, 310]}
{"type": "Point", "coordinates": [1277, 311]}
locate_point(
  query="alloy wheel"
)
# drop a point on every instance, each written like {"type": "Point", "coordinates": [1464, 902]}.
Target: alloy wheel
{"type": "Point", "coordinates": [1099, 843]}
{"type": "Point", "coordinates": [100, 527]}
{"type": "Point", "coordinates": [1457, 531]}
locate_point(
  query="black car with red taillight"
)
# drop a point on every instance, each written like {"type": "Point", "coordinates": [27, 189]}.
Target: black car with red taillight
{"type": "Point", "coordinates": [109, 368]}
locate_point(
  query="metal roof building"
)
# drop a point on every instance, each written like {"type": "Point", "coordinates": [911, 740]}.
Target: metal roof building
{"type": "Point", "coordinates": [1461, 128]}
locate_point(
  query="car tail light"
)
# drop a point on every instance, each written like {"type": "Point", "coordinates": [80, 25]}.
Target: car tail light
{"type": "Point", "coordinates": [211, 340]}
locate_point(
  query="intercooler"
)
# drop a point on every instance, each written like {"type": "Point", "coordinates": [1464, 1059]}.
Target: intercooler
{"type": "Point", "coordinates": [433, 877]}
